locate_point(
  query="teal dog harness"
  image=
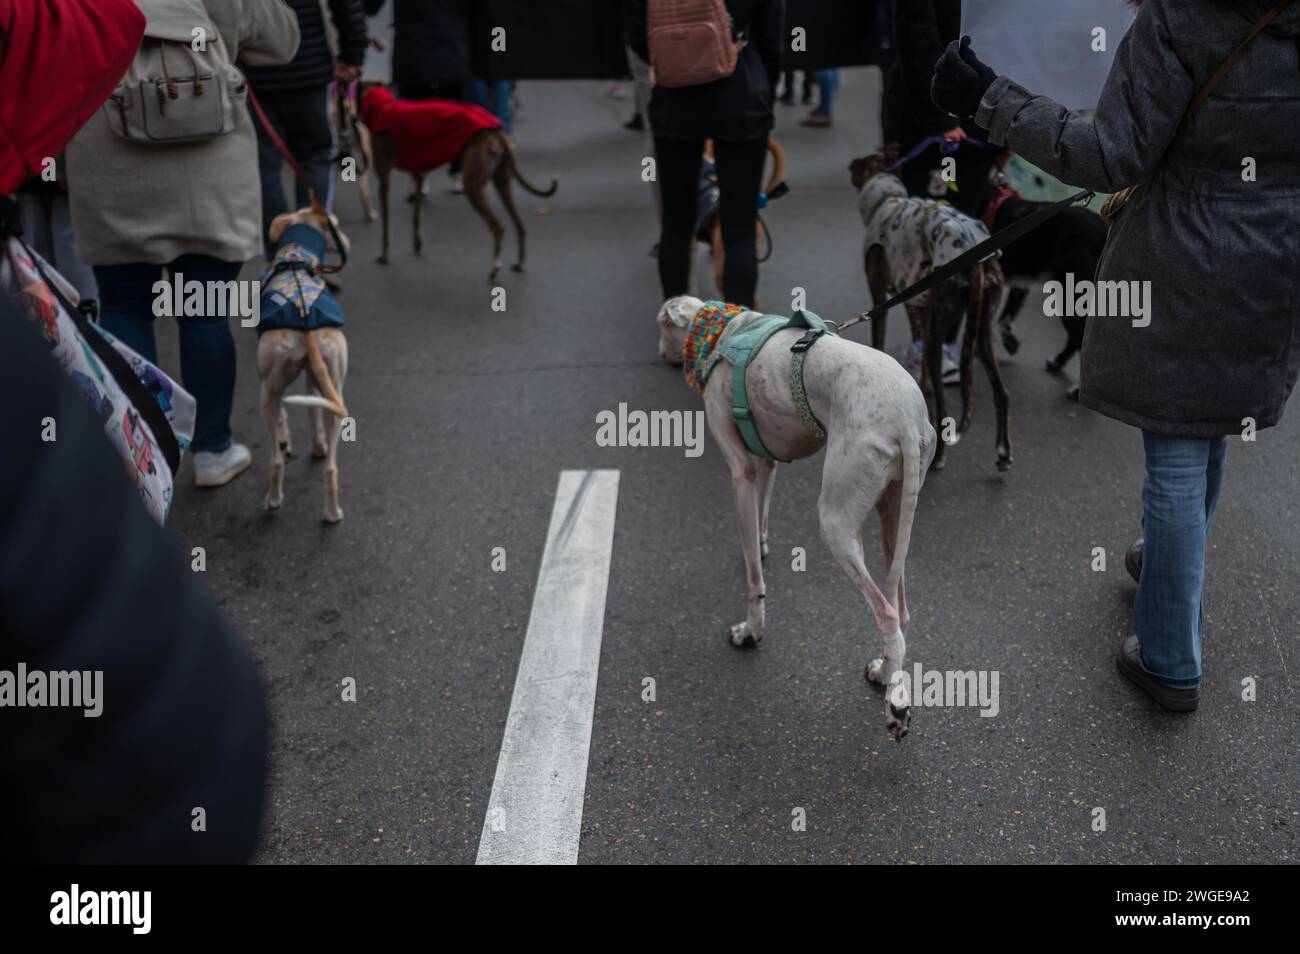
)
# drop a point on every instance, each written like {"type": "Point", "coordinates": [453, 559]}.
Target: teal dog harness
{"type": "Point", "coordinates": [738, 348]}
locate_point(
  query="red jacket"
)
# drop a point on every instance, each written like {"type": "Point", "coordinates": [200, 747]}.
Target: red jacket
{"type": "Point", "coordinates": [429, 133]}
{"type": "Point", "coordinates": [59, 61]}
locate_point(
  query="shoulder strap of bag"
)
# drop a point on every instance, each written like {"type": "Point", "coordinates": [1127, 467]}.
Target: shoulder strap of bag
{"type": "Point", "coordinates": [139, 396]}
{"type": "Point", "coordinates": [1260, 25]}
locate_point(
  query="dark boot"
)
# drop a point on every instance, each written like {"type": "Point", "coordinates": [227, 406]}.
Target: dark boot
{"type": "Point", "coordinates": [1171, 698]}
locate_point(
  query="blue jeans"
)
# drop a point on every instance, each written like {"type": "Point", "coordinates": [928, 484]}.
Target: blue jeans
{"type": "Point", "coordinates": [828, 81]}
{"type": "Point", "coordinates": [301, 117]}
{"type": "Point", "coordinates": [1184, 475]}
{"type": "Point", "coordinates": [126, 300]}
{"type": "Point", "coordinates": [476, 92]}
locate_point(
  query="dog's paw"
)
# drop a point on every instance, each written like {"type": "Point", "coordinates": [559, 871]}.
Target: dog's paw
{"type": "Point", "coordinates": [1004, 460]}
{"type": "Point", "coordinates": [741, 635]}
{"type": "Point", "coordinates": [319, 451]}
{"type": "Point", "coordinates": [874, 669]}
{"type": "Point", "coordinates": [762, 549]}
{"type": "Point", "coordinates": [517, 267]}
{"type": "Point", "coordinates": [382, 260]}
{"type": "Point", "coordinates": [272, 502]}
{"type": "Point", "coordinates": [898, 707]}
{"type": "Point", "coordinates": [332, 515]}
{"type": "Point", "coordinates": [898, 719]}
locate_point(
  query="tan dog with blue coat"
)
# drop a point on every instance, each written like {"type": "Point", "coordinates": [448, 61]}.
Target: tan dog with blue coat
{"type": "Point", "coordinates": [300, 328]}
{"type": "Point", "coordinates": [858, 403]}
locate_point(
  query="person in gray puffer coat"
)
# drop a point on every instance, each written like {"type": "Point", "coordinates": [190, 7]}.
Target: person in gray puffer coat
{"type": "Point", "coordinates": [1213, 224]}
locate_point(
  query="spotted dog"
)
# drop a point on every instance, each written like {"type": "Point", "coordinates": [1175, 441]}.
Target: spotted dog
{"type": "Point", "coordinates": [906, 239]}
{"type": "Point", "coordinates": [782, 389]}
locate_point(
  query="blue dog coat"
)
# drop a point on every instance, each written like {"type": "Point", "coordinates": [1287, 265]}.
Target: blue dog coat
{"type": "Point", "coordinates": [293, 295]}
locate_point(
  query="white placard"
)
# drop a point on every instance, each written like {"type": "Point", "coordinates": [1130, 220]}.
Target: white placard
{"type": "Point", "coordinates": [1049, 47]}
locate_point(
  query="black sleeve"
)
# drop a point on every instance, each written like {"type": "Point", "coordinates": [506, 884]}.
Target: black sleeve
{"type": "Point", "coordinates": [767, 32]}
{"type": "Point", "coordinates": [920, 44]}
{"type": "Point", "coordinates": [634, 19]}
{"type": "Point", "coordinates": [88, 581]}
{"type": "Point", "coordinates": [349, 18]}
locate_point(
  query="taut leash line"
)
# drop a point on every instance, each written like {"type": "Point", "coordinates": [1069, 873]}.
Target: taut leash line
{"type": "Point", "coordinates": [972, 256]}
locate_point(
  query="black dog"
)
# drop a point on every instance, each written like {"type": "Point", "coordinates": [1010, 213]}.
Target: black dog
{"type": "Point", "coordinates": [1070, 241]}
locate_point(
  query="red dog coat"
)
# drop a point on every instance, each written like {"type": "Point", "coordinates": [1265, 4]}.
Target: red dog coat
{"type": "Point", "coordinates": [429, 133]}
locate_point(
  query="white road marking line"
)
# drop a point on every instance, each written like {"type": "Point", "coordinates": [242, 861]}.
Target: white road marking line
{"type": "Point", "coordinates": [534, 815]}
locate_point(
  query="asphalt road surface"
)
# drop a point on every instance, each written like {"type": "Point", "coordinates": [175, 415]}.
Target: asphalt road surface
{"type": "Point", "coordinates": [466, 418]}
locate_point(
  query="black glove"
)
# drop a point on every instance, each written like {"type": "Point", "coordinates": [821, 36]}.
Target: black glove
{"type": "Point", "coordinates": [960, 80]}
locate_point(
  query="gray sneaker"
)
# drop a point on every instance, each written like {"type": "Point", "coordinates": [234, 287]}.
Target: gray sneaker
{"type": "Point", "coordinates": [213, 470]}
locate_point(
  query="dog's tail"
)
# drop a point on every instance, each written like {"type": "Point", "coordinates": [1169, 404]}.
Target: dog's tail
{"type": "Point", "coordinates": [332, 400]}
{"type": "Point", "coordinates": [519, 176]}
{"type": "Point", "coordinates": [911, 448]}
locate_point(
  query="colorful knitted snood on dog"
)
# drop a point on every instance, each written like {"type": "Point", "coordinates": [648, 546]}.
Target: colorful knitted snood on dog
{"type": "Point", "coordinates": [702, 338]}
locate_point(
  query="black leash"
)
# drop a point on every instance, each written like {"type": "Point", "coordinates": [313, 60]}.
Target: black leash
{"type": "Point", "coordinates": [972, 256]}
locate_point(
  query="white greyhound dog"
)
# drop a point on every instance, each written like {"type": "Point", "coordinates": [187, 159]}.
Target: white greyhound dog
{"type": "Point", "coordinates": [879, 444]}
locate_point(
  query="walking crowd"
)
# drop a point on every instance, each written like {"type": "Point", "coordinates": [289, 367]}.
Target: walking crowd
{"type": "Point", "coordinates": [119, 213]}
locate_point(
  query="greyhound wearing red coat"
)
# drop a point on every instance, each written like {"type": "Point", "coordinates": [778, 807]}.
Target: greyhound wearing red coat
{"type": "Point", "coordinates": [418, 137]}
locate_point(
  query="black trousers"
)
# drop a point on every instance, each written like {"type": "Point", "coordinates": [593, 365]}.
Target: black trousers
{"type": "Point", "coordinates": [740, 179]}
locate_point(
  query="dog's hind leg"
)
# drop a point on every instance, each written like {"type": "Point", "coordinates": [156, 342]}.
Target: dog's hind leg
{"type": "Point", "coordinates": [719, 254]}
{"type": "Point", "coordinates": [271, 413]}
{"type": "Point", "coordinates": [931, 335]}
{"type": "Point", "coordinates": [847, 496]}
{"type": "Point", "coordinates": [879, 285]}
{"type": "Point", "coordinates": [501, 179]}
{"type": "Point", "coordinates": [417, 213]}
{"type": "Point", "coordinates": [475, 192]}
{"type": "Point", "coordinates": [1001, 397]}
{"type": "Point", "coordinates": [336, 358]}
{"type": "Point", "coordinates": [333, 513]}
{"type": "Point", "coordinates": [969, 339]}
{"type": "Point", "coordinates": [316, 416]}
{"type": "Point", "coordinates": [766, 476]}
{"type": "Point", "coordinates": [888, 509]}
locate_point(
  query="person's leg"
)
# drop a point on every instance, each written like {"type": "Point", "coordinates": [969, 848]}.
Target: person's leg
{"type": "Point", "coordinates": [126, 300]}
{"type": "Point", "coordinates": [501, 91]}
{"type": "Point", "coordinates": [740, 178]}
{"type": "Point", "coordinates": [270, 164]}
{"type": "Point", "coordinates": [677, 164]}
{"type": "Point", "coordinates": [208, 356]}
{"type": "Point", "coordinates": [1180, 492]}
{"type": "Point", "coordinates": [35, 212]}
{"type": "Point", "coordinates": [64, 244]}
{"type": "Point", "coordinates": [828, 81]}
{"type": "Point", "coordinates": [305, 123]}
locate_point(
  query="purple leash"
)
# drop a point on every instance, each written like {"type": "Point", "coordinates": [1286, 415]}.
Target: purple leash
{"type": "Point", "coordinates": [947, 146]}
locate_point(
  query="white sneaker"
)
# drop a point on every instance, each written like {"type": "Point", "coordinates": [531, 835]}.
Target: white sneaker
{"type": "Point", "coordinates": [213, 470]}
{"type": "Point", "coordinates": [951, 365]}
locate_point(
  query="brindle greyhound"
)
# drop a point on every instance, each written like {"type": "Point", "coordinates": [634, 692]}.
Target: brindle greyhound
{"type": "Point", "coordinates": [907, 238]}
